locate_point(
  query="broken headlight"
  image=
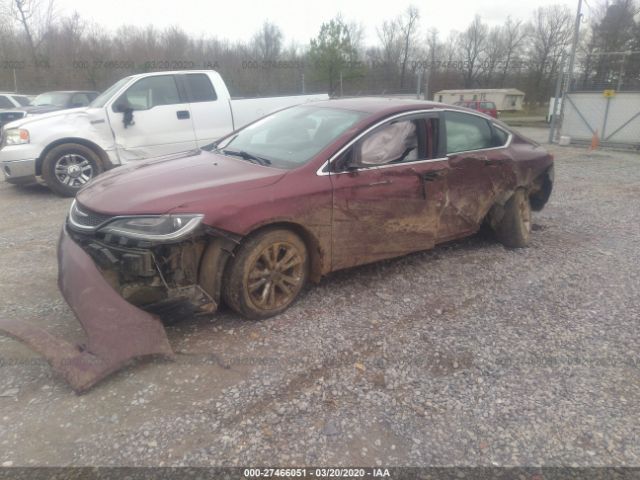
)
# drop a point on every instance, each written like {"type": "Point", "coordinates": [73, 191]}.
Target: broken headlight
{"type": "Point", "coordinates": [157, 228]}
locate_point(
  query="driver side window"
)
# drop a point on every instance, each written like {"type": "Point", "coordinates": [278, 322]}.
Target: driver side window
{"type": "Point", "coordinates": [394, 142]}
{"type": "Point", "coordinates": [150, 92]}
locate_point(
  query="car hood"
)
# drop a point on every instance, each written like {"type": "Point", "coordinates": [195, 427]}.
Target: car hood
{"type": "Point", "coordinates": [57, 115]}
{"type": "Point", "coordinates": [39, 109]}
{"type": "Point", "coordinates": [190, 182]}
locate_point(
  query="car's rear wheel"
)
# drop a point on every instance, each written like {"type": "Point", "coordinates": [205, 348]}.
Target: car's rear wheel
{"type": "Point", "coordinates": [68, 167]}
{"type": "Point", "coordinates": [514, 228]}
{"type": "Point", "coordinates": [267, 274]}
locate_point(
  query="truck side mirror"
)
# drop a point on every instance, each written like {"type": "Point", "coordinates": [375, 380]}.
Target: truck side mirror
{"type": "Point", "coordinates": [127, 118]}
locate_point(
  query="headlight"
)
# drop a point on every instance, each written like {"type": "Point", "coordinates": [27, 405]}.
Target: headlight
{"type": "Point", "coordinates": [160, 228]}
{"type": "Point", "coordinates": [16, 136]}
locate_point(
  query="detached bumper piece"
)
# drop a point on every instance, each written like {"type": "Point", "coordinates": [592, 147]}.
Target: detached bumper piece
{"type": "Point", "coordinates": [117, 332]}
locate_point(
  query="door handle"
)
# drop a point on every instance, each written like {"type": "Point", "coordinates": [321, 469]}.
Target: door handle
{"type": "Point", "coordinates": [381, 182]}
{"type": "Point", "coordinates": [183, 114]}
{"type": "Point", "coordinates": [430, 176]}
{"type": "Point", "coordinates": [433, 175]}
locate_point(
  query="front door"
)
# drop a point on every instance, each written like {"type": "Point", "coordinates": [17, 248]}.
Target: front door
{"type": "Point", "coordinates": [150, 119]}
{"type": "Point", "coordinates": [388, 192]}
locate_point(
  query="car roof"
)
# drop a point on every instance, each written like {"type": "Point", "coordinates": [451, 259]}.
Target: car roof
{"type": "Point", "coordinates": [70, 91]}
{"type": "Point", "coordinates": [377, 104]}
{"type": "Point", "coordinates": [383, 106]}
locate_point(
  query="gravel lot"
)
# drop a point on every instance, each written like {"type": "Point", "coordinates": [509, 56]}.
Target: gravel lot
{"type": "Point", "coordinates": [470, 354]}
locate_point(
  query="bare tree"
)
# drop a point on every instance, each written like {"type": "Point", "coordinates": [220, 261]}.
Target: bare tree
{"type": "Point", "coordinates": [36, 18]}
{"type": "Point", "coordinates": [390, 39]}
{"type": "Point", "coordinates": [473, 44]}
{"type": "Point", "coordinates": [408, 28]}
{"type": "Point", "coordinates": [514, 36]}
{"type": "Point", "coordinates": [551, 31]}
{"type": "Point", "coordinates": [493, 55]}
{"type": "Point", "coordinates": [268, 42]}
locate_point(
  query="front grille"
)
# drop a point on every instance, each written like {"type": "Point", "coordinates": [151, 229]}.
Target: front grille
{"type": "Point", "coordinates": [86, 219]}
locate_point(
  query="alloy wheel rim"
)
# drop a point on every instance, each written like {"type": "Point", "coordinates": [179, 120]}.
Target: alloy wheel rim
{"type": "Point", "coordinates": [275, 276]}
{"type": "Point", "coordinates": [73, 170]}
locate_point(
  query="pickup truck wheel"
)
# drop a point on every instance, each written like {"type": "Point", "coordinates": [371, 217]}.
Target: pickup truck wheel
{"type": "Point", "coordinates": [267, 274]}
{"type": "Point", "coordinates": [68, 167]}
{"type": "Point", "coordinates": [514, 228]}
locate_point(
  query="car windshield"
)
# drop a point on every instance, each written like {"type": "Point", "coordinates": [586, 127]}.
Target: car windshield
{"type": "Point", "coordinates": [56, 99]}
{"type": "Point", "coordinates": [23, 101]}
{"type": "Point", "coordinates": [291, 137]}
{"type": "Point", "coordinates": [105, 96]}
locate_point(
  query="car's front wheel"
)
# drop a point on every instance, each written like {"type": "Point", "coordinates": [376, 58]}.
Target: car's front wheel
{"type": "Point", "coordinates": [514, 227]}
{"type": "Point", "coordinates": [68, 167]}
{"type": "Point", "coordinates": [267, 274]}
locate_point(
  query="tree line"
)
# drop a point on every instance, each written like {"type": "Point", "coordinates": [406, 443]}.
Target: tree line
{"type": "Point", "coordinates": [41, 50]}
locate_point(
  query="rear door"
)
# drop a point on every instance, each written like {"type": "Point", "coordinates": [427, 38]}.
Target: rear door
{"type": "Point", "coordinates": [480, 170]}
{"type": "Point", "coordinates": [388, 192]}
{"type": "Point", "coordinates": [152, 118]}
{"type": "Point", "coordinates": [211, 116]}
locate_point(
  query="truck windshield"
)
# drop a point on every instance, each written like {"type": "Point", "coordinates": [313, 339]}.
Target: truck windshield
{"type": "Point", "coordinates": [105, 96]}
{"type": "Point", "coordinates": [291, 137]}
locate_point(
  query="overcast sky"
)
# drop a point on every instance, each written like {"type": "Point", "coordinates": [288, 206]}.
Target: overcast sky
{"type": "Point", "coordinates": [300, 20]}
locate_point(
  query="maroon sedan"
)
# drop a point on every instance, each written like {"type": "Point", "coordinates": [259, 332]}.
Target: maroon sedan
{"type": "Point", "coordinates": [298, 194]}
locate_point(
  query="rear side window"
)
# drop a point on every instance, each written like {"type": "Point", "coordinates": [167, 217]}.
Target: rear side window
{"type": "Point", "coordinates": [488, 105]}
{"type": "Point", "coordinates": [500, 137]}
{"type": "Point", "coordinates": [467, 132]}
{"type": "Point", "coordinates": [5, 102]}
{"type": "Point", "coordinates": [200, 88]}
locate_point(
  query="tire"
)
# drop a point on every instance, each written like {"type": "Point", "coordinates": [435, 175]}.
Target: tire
{"type": "Point", "coordinates": [70, 166]}
{"type": "Point", "coordinates": [513, 230]}
{"type": "Point", "coordinates": [257, 283]}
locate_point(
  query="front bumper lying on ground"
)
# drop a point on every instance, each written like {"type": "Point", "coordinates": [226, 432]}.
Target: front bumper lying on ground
{"type": "Point", "coordinates": [117, 332]}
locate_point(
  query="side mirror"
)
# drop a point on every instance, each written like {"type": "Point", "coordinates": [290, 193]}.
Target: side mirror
{"type": "Point", "coordinates": [127, 118]}
{"type": "Point", "coordinates": [347, 162]}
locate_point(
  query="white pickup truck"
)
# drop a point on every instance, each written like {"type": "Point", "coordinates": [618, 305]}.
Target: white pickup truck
{"type": "Point", "coordinates": [140, 116]}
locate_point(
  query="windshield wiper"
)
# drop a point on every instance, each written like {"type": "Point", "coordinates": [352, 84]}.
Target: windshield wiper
{"type": "Point", "coordinates": [248, 156]}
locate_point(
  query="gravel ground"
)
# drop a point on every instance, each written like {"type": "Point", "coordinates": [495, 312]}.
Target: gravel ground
{"type": "Point", "coordinates": [469, 354]}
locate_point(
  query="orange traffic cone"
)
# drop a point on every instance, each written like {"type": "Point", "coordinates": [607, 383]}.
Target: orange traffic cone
{"type": "Point", "coordinates": [595, 141]}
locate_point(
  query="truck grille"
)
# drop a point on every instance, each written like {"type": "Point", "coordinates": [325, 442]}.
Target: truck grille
{"type": "Point", "coordinates": [85, 219]}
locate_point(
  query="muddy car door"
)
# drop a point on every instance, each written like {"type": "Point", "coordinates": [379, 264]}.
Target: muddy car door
{"type": "Point", "coordinates": [388, 191]}
{"type": "Point", "coordinates": [480, 170]}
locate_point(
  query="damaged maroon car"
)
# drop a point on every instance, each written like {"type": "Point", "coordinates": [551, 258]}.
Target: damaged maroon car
{"type": "Point", "coordinates": [298, 194]}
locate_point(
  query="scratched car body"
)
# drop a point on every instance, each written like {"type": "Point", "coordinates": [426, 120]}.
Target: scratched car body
{"type": "Point", "coordinates": [286, 200]}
